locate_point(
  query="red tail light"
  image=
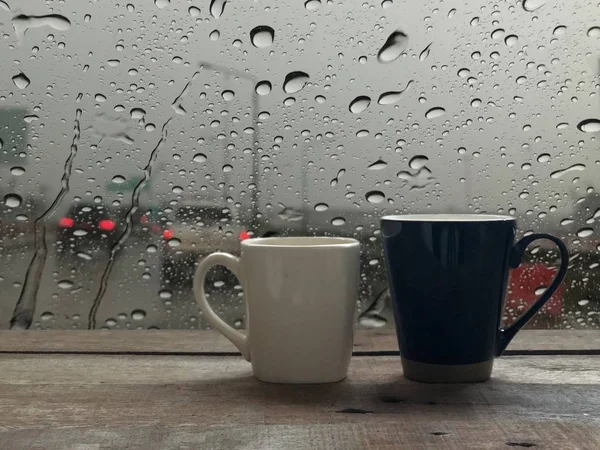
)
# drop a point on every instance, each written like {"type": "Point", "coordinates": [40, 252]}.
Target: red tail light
{"type": "Point", "coordinates": [66, 222]}
{"type": "Point", "coordinates": [244, 235]}
{"type": "Point", "coordinates": [106, 225]}
{"type": "Point", "coordinates": [168, 234]}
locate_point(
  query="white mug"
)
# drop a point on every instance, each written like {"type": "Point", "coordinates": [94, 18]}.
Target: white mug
{"type": "Point", "coordinates": [301, 295]}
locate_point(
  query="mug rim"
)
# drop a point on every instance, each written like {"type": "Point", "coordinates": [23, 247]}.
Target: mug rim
{"type": "Point", "coordinates": [301, 242]}
{"type": "Point", "coordinates": [465, 218]}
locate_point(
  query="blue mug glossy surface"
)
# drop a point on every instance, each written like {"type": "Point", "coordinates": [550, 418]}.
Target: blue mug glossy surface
{"type": "Point", "coordinates": [448, 276]}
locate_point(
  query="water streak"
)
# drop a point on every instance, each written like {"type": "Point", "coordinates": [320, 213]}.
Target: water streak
{"type": "Point", "coordinates": [25, 307]}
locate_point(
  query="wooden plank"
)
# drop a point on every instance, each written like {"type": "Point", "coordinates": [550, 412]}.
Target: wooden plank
{"type": "Point", "coordinates": [152, 402]}
{"type": "Point", "coordinates": [201, 342]}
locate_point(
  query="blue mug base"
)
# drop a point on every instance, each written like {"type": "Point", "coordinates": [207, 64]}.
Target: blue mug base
{"type": "Point", "coordinates": [444, 373]}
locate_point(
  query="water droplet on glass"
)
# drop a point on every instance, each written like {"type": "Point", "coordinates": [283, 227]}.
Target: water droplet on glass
{"type": "Point", "coordinates": [294, 82]}
{"type": "Point", "coordinates": [21, 81]}
{"type": "Point", "coordinates": [544, 158]}
{"type": "Point", "coordinates": [100, 98]}
{"type": "Point", "coordinates": [583, 302]}
{"type": "Point", "coordinates": [386, 4]}
{"type": "Point", "coordinates": [320, 207]}
{"type": "Point", "coordinates": [227, 168]}
{"type": "Point", "coordinates": [362, 133]}
{"type": "Point", "coordinates": [359, 104]}
{"type": "Point", "coordinates": [425, 53]}
{"type": "Point", "coordinates": [46, 316]}
{"type": "Point", "coordinates": [559, 30]}
{"type": "Point", "coordinates": [138, 314]}
{"type": "Point", "coordinates": [217, 7]}
{"type": "Point", "coordinates": [214, 35]}
{"type": "Point", "coordinates": [589, 125]}
{"type": "Point", "coordinates": [540, 290]}
{"type": "Point", "coordinates": [228, 95]}
{"type": "Point", "coordinates": [511, 39]}
{"type": "Point", "coordinates": [393, 47]}
{"type": "Point", "coordinates": [463, 73]}
{"type": "Point", "coordinates": [84, 256]}
{"type": "Point", "coordinates": [151, 248]}
{"type": "Point", "coordinates": [162, 3]}
{"type": "Point", "coordinates": [476, 102]}
{"type": "Point", "coordinates": [532, 5]}
{"type": "Point", "coordinates": [262, 36]}
{"type": "Point", "coordinates": [12, 200]}
{"type": "Point", "coordinates": [165, 294]}
{"type": "Point", "coordinates": [193, 11]}
{"type": "Point", "coordinates": [391, 97]}
{"type": "Point", "coordinates": [80, 232]}
{"type": "Point", "coordinates": [418, 162]}
{"type": "Point", "coordinates": [377, 165]}
{"type": "Point", "coordinates": [585, 232]}
{"type": "Point", "coordinates": [435, 112]}
{"type": "Point", "coordinates": [65, 284]}
{"type": "Point", "coordinates": [118, 179]}
{"type": "Point", "coordinates": [338, 221]}
{"type": "Point", "coordinates": [17, 171]}
{"type": "Point", "coordinates": [375, 197]}
{"type": "Point", "coordinates": [573, 168]}
{"type": "Point", "coordinates": [263, 87]}
{"type": "Point", "coordinates": [312, 5]}
{"type": "Point", "coordinates": [594, 32]}
{"type": "Point", "coordinates": [497, 33]}
{"type": "Point", "coordinates": [199, 157]}
{"type": "Point", "coordinates": [174, 242]}
{"type": "Point", "coordinates": [137, 113]}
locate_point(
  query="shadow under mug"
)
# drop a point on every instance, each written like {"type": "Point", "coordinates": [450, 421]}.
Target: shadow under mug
{"type": "Point", "coordinates": [448, 276]}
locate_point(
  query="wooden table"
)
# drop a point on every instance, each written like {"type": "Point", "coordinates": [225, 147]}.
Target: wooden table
{"type": "Point", "coordinates": [191, 390]}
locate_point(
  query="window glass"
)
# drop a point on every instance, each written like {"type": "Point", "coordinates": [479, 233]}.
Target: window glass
{"type": "Point", "coordinates": [139, 136]}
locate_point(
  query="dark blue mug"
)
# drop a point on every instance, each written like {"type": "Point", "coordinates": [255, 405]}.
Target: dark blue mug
{"type": "Point", "coordinates": [448, 275]}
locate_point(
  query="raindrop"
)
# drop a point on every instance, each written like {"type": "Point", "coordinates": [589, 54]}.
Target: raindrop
{"type": "Point", "coordinates": [532, 5]}
{"type": "Point", "coordinates": [476, 102]}
{"type": "Point", "coordinates": [263, 87]}
{"type": "Point", "coordinates": [391, 97]}
{"type": "Point", "coordinates": [393, 47]}
{"type": "Point", "coordinates": [377, 165]}
{"type": "Point", "coordinates": [289, 101]}
{"type": "Point", "coordinates": [540, 290]}
{"type": "Point", "coordinates": [435, 112]}
{"type": "Point", "coordinates": [214, 35]}
{"type": "Point", "coordinates": [463, 73]}
{"type": "Point", "coordinates": [217, 7]}
{"type": "Point", "coordinates": [137, 113]}
{"type": "Point", "coordinates": [386, 4]}
{"type": "Point", "coordinates": [362, 133]}
{"type": "Point", "coordinates": [138, 314]}
{"type": "Point", "coordinates": [165, 294]}
{"type": "Point", "coordinates": [359, 104]}
{"type": "Point", "coordinates": [17, 171]}
{"type": "Point", "coordinates": [21, 23]}
{"type": "Point", "coordinates": [589, 125]}
{"type": "Point", "coordinates": [113, 62]}
{"type": "Point", "coordinates": [425, 53]}
{"type": "Point", "coordinates": [320, 207]}
{"type": "Point", "coordinates": [194, 12]}
{"type": "Point", "coordinates": [227, 168]}
{"type": "Point", "coordinates": [264, 115]}
{"type": "Point", "coordinates": [511, 39]}
{"type": "Point", "coordinates": [262, 36]}
{"type": "Point", "coordinates": [12, 200]}
{"type": "Point", "coordinates": [80, 232]}
{"type": "Point", "coordinates": [152, 248]}
{"type": "Point", "coordinates": [593, 32]}
{"type": "Point", "coordinates": [585, 232]}
{"type": "Point", "coordinates": [46, 316]}
{"type": "Point", "coordinates": [573, 168]}
{"type": "Point", "coordinates": [174, 242]}
{"type": "Point", "coordinates": [562, 126]}
{"type": "Point", "coordinates": [418, 162]}
{"type": "Point", "coordinates": [474, 21]}
{"type": "Point", "coordinates": [338, 221]}
{"type": "Point", "coordinates": [118, 179]}
{"type": "Point", "coordinates": [162, 3]}
{"type": "Point", "coordinates": [583, 302]}
{"type": "Point", "coordinates": [320, 99]}
{"type": "Point", "coordinates": [375, 197]}
{"type": "Point", "coordinates": [199, 157]}
{"type": "Point", "coordinates": [294, 82]}
{"type": "Point", "coordinates": [100, 98]}
{"type": "Point", "coordinates": [544, 158]}
{"type": "Point", "coordinates": [21, 81]}
{"type": "Point", "coordinates": [85, 256]}
{"type": "Point", "coordinates": [65, 284]}
{"type": "Point", "coordinates": [312, 5]}
{"type": "Point", "coordinates": [497, 33]}
{"type": "Point", "coordinates": [150, 127]}
{"type": "Point", "coordinates": [228, 95]}
{"type": "Point", "coordinates": [559, 30]}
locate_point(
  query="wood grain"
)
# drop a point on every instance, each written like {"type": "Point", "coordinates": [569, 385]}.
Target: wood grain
{"type": "Point", "coordinates": [164, 402]}
{"type": "Point", "coordinates": [203, 342]}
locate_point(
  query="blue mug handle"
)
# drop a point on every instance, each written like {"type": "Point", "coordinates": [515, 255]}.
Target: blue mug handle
{"type": "Point", "coordinates": [505, 336]}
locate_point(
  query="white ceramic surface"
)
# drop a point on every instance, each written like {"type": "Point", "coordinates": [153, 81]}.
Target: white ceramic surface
{"type": "Point", "coordinates": [301, 296]}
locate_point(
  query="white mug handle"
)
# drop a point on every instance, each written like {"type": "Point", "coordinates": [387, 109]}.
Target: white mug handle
{"type": "Point", "coordinates": [232, 263]}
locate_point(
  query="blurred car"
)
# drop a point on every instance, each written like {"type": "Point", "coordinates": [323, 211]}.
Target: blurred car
{"type": "Point", "coordinates": [195, 231]}
{"type": "Point", "coordinates": [88, 228]}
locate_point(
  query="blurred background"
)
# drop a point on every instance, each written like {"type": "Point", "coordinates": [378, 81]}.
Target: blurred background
{"type": "Point", "coordinates": [137, 137]}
